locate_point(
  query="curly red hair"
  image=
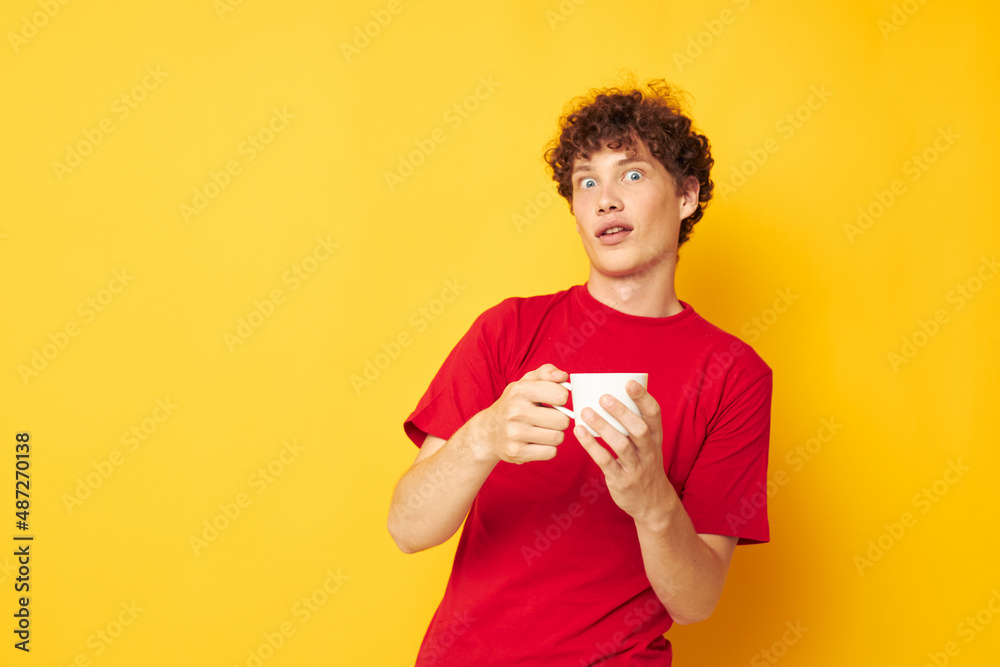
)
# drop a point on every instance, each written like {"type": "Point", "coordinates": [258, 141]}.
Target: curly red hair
{"type": "Point", "coordinates": [616, 118]}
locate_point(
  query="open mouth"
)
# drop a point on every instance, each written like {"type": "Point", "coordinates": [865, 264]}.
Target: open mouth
{"type": "Point", "coordinates": [613, 232]}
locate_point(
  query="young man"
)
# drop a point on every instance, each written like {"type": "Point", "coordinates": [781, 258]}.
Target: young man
{"type": "Point", "coordinates": [572, 554]}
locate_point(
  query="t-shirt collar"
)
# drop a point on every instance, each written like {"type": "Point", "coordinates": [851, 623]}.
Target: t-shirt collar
{"type": "Point", "coordinates": [587, 300]}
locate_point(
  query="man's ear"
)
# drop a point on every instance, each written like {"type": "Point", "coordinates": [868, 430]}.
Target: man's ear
{"type": "Point", "coordinates": [689, 196]}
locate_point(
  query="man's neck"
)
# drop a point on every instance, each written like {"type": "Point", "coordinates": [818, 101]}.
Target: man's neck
{"type": "Point", "coordinates": [644, 296]}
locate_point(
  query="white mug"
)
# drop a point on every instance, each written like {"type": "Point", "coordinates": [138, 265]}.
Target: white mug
{"type": "Point", "coordinates": [588, 388]}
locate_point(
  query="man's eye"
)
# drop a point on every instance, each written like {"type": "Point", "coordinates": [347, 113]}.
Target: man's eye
{"type": "Point", "coordinates": [633, 175]}
{"type": "Point", "coordinates": [587, 183]}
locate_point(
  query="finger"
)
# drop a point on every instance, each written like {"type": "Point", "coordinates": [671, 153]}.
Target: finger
{"type": "Point", "coordinates": [536, 435]}
{"type": "Point", "coordinates": [541, 391]}
{"type": "Point", "coordinates": [601, 456]}
{"type": "Point", "coordinates": [622, 446]}
{"type": "Point", "coordinates": [648, 407]}
{"type": "Point", "coordinates": [553, 374]}
{"type": "Point", "coordinates": [546, 418]}
{"type": "Point", "coordinates": [637, 426]}
{"type": "Point", "coordinates": [534, 452]}
{"type": "Point", "coordinates": [547, 372]}
{"type": "Point", "coordinates": [548, 392]}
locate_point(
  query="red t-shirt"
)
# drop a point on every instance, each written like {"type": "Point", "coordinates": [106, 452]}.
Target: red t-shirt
{"type": "Point", "coordinates": [548, 569]}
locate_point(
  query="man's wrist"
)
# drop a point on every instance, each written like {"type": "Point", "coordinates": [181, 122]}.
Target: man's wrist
{"type": "Point", "coordinates": [475, 438]}
{"type": "Point", "coordinates": [659, 518]}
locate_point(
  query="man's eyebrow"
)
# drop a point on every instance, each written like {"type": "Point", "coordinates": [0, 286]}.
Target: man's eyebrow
{"type": "Point", "coordinates": [585, 166]}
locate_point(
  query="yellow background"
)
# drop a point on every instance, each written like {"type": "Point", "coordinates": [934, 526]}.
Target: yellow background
{"type": "Point", "coordinates": [895, 76]}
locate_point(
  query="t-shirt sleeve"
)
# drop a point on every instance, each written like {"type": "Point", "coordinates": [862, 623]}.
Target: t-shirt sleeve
{"type": "Point", "coordinates": [471, 378]}
{"type": "Point", "coordinates": [726, 491]}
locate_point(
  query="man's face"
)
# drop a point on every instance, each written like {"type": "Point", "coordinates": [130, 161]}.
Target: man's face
{"type": "Point", "coordinates": [628, 212]}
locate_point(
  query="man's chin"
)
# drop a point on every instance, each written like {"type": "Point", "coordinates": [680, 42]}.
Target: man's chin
{"type": "Point", "coordinates": [631, 271]}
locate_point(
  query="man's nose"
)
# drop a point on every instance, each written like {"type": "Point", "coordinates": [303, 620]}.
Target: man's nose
{"type": "Point", "coordinates": [609, 199]}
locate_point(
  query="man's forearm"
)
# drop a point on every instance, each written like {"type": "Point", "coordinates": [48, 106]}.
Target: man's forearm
{"type": "Point", "coordinates": [433, 497]}
{"type": "Point", "coordinates": [686, 574]}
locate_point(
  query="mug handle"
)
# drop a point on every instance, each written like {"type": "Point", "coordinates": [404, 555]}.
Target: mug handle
{"type": "Point", "coordinates": [560, 408]}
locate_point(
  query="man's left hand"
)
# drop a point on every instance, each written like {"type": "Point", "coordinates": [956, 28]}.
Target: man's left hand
{"type": "Point", "coordinates": [636, 479]}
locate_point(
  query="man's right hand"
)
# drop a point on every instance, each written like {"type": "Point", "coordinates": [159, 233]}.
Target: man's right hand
{"type": "Point", "coordinates": [433, 497]}
{"type": "Point", "coordinates": [517, 428]}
